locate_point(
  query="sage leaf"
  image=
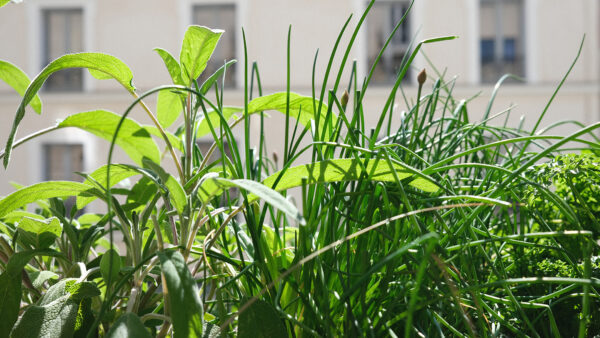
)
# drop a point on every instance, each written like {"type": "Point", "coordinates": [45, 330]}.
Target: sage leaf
{"type": "Point", "coordinates": [301, 108]}
{"type": "Point", "coordinates": [109, 65]}
{"type": "Point", "coordinates": [110, 265]}
{"type": "Point", "coordinates": [18, 80]}
{"type": "Point", "coordinates": [198, 45]}
{"type": "Point", "coordinates": [41, 191]}
{"type": "Point", "coordinates": [260, 320]}
{"type": "Point", "coordinates": [168, 107]}
{"type": "Point", "coordinates": [172, 66]}
{"type": "Point", "coordinates": [261, 191]}
{"type": "Point", "coordinates": [338, 170]}
{"type": "Point", "coordinates": [186, 306]}
{"type": "Point", "coordinates": [39, 234]}
{"type": "Point", "coordinates": [128, 325]}
{"type": "Point", "coordinates": [132, 137]}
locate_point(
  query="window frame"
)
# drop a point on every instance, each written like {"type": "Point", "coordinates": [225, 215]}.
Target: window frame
{"type": "Point", "coordinates": [35, 15]}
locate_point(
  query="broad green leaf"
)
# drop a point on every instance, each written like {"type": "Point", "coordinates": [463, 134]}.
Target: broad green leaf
{"type": "Point", "coordinates": [128, 326]}
{"type": "Point", "coordinates": [107, 64]}
{"type": "Point", "coordinates": [339, 170]}
{"type": "Point", "coordinates": [198, 45]}
{"type": "Point", "coordinates": [263, 192]}
{"type": "Point", "coordinates": [168, 107]}
{"type": "Point", "coordinates": [110, 265]}
{"type": "Point", "coordinates": [39, 277]}
{"type": "Point", "coordinates": [18, 80]}
{"type": "Point", "coordinates": [301, 108]}
{"type": "Point", "coordinates": [40, 191]}
{"type": "Point", "coordinates": [132, 138]}
{"type": "Point", "coordinates": [4, 2]}
{"type": "Point", "coordinates": [39, 234]}
{"type": "Point", "coordinates": [172, 66]}
{"type": "Point", "coordinates": [260, 320]}
{"type": "Point", "coordinates": [186, 306]}
{"type": "Point", "coordinates": [16, 215]}
{"type": "Point", "coordinates": [118, 172]}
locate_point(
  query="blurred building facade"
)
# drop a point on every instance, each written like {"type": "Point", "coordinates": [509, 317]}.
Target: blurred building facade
{"type": "Point", "coordinates": [534, 39]}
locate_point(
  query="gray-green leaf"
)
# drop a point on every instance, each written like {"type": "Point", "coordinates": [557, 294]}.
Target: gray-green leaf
{"type": "Point", "coordinates": [261, 191]}
{"type": "Point", "coordinates": [186, 306]}
{"type": "Point", "coordinates": [56, 319]}
{"type": "Point", "coordinates": [18, 80]}
{"type": "Point", "coordinates": [128, 325]}
{"type": "Point", "coordinates": [109, 65]}
{"type": "Point", "coordinates": [198, 45]}
{"type": "Point", "coordinates": [110, 265]}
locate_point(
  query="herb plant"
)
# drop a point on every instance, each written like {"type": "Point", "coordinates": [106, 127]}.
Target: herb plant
{"type": "Point", "coordinates": [444, 225]}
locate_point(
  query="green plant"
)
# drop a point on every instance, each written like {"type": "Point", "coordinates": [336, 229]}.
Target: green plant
{"type": "Point", "coordinates": [429, 226]}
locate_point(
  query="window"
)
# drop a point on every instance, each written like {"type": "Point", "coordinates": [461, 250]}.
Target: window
{"type": "Point", "coordinates": [62, 33]}
{"type": "Point", "coordinates": [382, 19]}
{"type": "Point", "coordinates": [502, 47]}
{"type": "Point", "coordinates": [220, 16]}
{"type": "Point", "coordinates": [61, 161]}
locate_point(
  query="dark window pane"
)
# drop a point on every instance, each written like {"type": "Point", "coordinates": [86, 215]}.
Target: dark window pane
{"type": "Point", "coordinates": [510, 53]}
{"type": "Point", "coordinates": [487, 50]}
{"type": "Point", "coordinates": [61, 162]}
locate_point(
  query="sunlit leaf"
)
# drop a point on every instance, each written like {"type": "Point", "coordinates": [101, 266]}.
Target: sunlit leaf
{"type": "Point", "coordinates": [197, 47]}
{"type": "Point", "coordinates": [339, 170]}
{"type": "Point", "coordinates": [110, 66]}
{"type": "Point", "coordinates": [18, 80]}
{"type": "Point", "coordinates": [40, 234]}
{"type": "Point", "coordinates": [301, 108]}
{"type": "Point", "coordinates": [40, 191]}
{"type": "Point", "coordinates": [172, 66]}
{"type": "Point", "coordinates": [256, 189]}
{"type": "Point", "coordinates": [132, 137]}
{"type": "Point", "coordinates": [168, 107]}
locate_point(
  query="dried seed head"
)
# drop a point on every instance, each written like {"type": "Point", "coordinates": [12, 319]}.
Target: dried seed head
{"type": "Point", "coordinates": [344, 100]}
{"type": "Point", "coordinates": [275, 157]}
{"type": "Point", "coordinates": [422, 77]}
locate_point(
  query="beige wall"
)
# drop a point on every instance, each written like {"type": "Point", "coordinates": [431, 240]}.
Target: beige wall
{"type": "Point", "coordinates": [131, 29]}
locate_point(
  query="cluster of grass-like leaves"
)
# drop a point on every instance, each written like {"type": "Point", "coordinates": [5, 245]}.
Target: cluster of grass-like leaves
{"type": "Point", "coordinates": [428, 222]}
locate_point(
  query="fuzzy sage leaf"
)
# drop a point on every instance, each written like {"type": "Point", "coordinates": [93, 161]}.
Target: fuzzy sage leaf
{"type": "Point", "coordinates": [107, 65]}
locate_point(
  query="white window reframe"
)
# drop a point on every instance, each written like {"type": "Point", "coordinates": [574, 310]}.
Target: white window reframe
{"type": "Point", "coordinates": [35, 10]}
{"type": "Point", "coordinates": [185, 10]}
